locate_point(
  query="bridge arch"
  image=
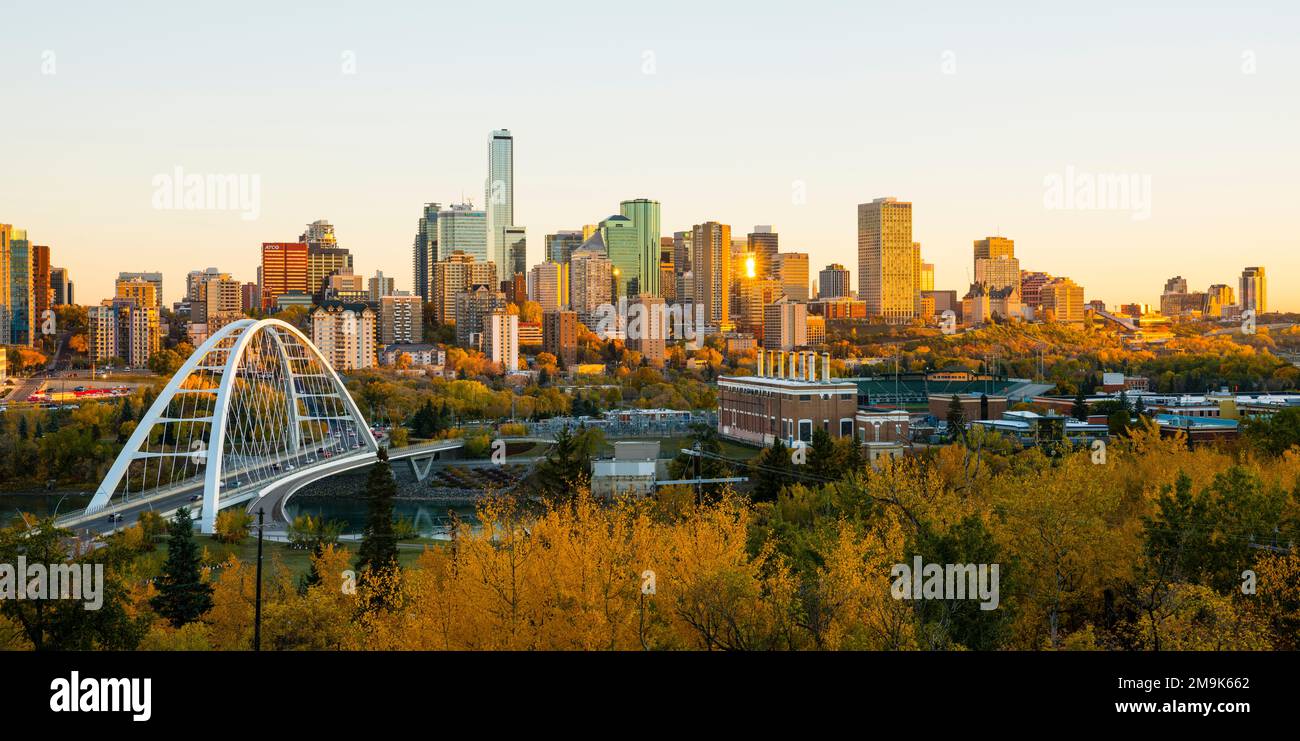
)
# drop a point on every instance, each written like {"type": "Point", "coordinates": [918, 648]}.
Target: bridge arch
{"type": "Point", "coordinates": [253, 403]}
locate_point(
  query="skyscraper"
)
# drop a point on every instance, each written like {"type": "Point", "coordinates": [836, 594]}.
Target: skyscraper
{"type": "Point", "coordinates": [462, 228]}
{"type": "Point", "coordinates": [1176, 284]}
{"type": "Point", "coordinates": [284, 270]}
{"type": "Point", "coordinates": [20, 303]}
{"type": "Point", "coordinates": [458, 273]}
{"type": "Point", "coordinates": [6, 288]}
{"type": "Point", "coordinates": [792, 271]}
{"type": "Point", "coordinates": [888, 264]}
{"type": "Point", "coordinates": [560, 335]}
{"type": "Point", "coordinates": [711, 266]}
{"type": "Point", "coordinates": [61, 286]}
{"type": "Point", "coordinates": [994, 247]}
{"type": "Point", "coordinates": [324, 256]}
{"type": "Point", "coordinates": [996, 266]}
{"type": "Point", "coordinates": [501, 339]}
{"type": "Point", "coordinates": [591, 276]}
{"type": "Point", "coordinates": [514, 252]}
{"type": "Point", "coordinates": [1254, 290]}
{"type": "Point", "coordinates": [41, 292]}
{"type": "Point", "coordinates": [927, 276]}
{"type": "Point", "coordinates": [549, 285]}
{"type": "Point", "coordinates": [833, 281]}
{"type": "Point", "coordinates": [644, 214]}
{"type": "Point", "coordinates": [499, 197]}
{"type": "Point", "coordinates": [400, 319]}
{"type": "Point", "coordinates": [424, 250]}
{"type": "Point", "coordinates": [1062, 301]}
{"type": "Point", "coordinates": [764, 243]}
{"type": "Point", "coordinates": [561, 244]}
{"type": "Point", "coordinates": [623, 247]}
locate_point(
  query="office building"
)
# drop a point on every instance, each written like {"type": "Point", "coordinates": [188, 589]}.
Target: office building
{"type": "Point", "coordinates": [499, 197]}
{"type": "Point", "coordinates": [711, 265]}
{"type": "Point", "coordinates": [1176, 284]}
{"type": "Point", "coordinates": [462, 228]}
{"type": "Point", "coordinates": [888, 261]}
{"type": "Point", "coordinates": [644, 214]}
{"type": "Point", "coordinates": [560, 245]}
{"type": "Point", "coordinates": [41, 292]}
{"type": "Point", "coordinates": [284, 270]}
{"type": "Point", "coordinates": [591, 281]}
{"type": "Point", "coordinates": [1031, 286]}
{"type": "Point", "coordinates": [1254, 290]}
{"type": "Point", "coordinates": [1062, 301]}
{"type": "Point", "coordinates": [992, 248]}
{"type": "Point", "coordinates": [23, 322]}
{"type": "Point", "coordinates": [927, 277]}
{"type": "Point", "coordinates": [833, 282]}
{"type": "Point", "coordinates": [765, 245]}
{"type": "Point", "coordinates": [792, 271]}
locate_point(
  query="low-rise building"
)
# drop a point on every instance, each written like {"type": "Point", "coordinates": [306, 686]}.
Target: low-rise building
{"type": "Point", "coordinates": [631, 471]}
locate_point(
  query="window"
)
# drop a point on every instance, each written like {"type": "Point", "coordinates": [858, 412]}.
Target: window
{"type": "Point", "coordinates": [805, 430]}
{"type": "Point", "coordinates": [846, 428]}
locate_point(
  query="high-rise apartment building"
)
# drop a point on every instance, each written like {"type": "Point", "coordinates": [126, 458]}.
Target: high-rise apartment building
{"type": "Point", "coordinates": [549, 285]}
{"type": "Point", "coordinates": [400, 319]}
{"type": "Point", "coordinates": [833, 281]}
{"type": "Point", "coordinates": [785, 325]}
{"type": "Point", "coordinates": [458, 273]}
{"type": "Point", "coordinates": [284, 270]}
{"type": "Point", "coordinates": [1176, 284]}
{"type": "Point", "coordinates": [319, 233]}
{"type": "Point", "coordinates": [379, 286]}
{"type": "Point", "coordinates": [42, 296]}
{"type": "Point", "coordinates": [472, 307]}
{"type": "Point", "coordinates": [501, 339]}
{"type": "Point", "coordinates": [153, 276]}
{"type": "Point", "coordinates": [6, 286]}
{"type": "Point", "coordinates": [424, 249]}
{"type": "Point", "coordinates": [647, 330]}
{"type": "Point", "coordinates": [345, 334]}
{"type": "Point", "coordinates": [792, 271]}
{"type": "Point", "coordinates": [1254, 290]}
{"type": "Point", "coordinates": [1031, 286]}
{"type": "Point", "coordinates": [125, 328]}
{"type": "Point", "coordinates": [888, 260]}
{"type": "Point", "coordinates": [711, 267]}
{"type": "Point", "coordinates": [560, 335]}
{"type": "Point", "coordinates": [591, 282]}
{"type": "Point", "coordinates": [324, 256]}
{"type": "Point", "coordinates": [61, 287]}
{"type": "Point", "coordinates": [644, 214]}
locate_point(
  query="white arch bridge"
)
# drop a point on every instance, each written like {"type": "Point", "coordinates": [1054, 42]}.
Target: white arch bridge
{"type": "Point", "coordinates": [255, 410]}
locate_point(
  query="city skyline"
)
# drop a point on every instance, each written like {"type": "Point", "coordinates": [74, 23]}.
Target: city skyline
{"type": "Point", "coordinates": [802, 167]}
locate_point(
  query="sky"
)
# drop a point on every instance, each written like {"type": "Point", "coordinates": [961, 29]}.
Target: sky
{"type": "Point", "coordinates": [982, 115]}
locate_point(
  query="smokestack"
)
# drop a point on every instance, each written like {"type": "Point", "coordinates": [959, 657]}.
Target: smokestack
{"type": "Point", "coordinates": [826, 367]}
{"type": "Point", "coordinates": [794, 366]}
{"type": "Point", "coordinates": [810, 366]}
{"type": "Point", "coordinates": [760, 363]}
{"type": "Point", "coordinates": [780, 363]}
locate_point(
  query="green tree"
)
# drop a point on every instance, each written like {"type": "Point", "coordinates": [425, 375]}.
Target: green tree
{"type": "Point", "coordinates": [378, 550]}
{"type": "Point", "coordinates": [183, 596]}
{"type": "Point", "coordinates": [772, 471]}
{"type": "Point", "coordinates": [956, 419]}
{"type": "Point", "coordinates": [1080, 410]}
{"type": "Point", "coordinates": [823, 458]}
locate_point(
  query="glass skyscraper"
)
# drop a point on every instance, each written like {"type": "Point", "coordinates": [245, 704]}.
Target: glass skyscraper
{"type": "Point", "coordinates": [499, 198]}
{"type": "Point", "coordinates": [624, 248]}
{"type": "Point", "coordinates": [22, 304]}
{"type": "Point", "coordinates": [644, 214]}
{"type": "Point", "coordinates": [425, 249]}
{"type": "Point", "coordinates": [462, 228]}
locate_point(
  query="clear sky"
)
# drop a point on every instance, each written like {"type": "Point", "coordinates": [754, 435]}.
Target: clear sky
{"type": "Point", "coordinates": [724, 111]}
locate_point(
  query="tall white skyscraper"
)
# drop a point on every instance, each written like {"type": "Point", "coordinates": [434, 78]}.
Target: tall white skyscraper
{"type": "Point", "coordinates": [500, 200]}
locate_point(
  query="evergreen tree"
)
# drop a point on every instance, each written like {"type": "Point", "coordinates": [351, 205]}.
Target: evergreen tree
{"type": "Point", "coordinates": [183, 596]}
{"type": "Point", "coordinates": [684, 466]}
{"type": "Point", "coordinates": [567, 466]}
{"type": "Point", "coordinates": [1080, 410]}
{"type": "Point", "coordinates": [773, 470]}
{"type": "Point", "coordinates": [984, 406]}
{"type": "Point", "coordinates": [822, 456]}
{"type": "Point", "coordinates": [956, 419]}
{"type": "Point", "coordinates": [378, 551]}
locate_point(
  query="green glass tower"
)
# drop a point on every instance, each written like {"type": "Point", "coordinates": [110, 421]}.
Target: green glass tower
{"type": "Point", "coordinates": [623, 246]}
{"type": "Point", "coordinates": [644, 214]}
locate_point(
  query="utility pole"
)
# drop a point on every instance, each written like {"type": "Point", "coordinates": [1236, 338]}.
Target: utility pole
{"type": "Point", "coordinates": [257, 605]}
{"type": "Point", "coordinates": [698, 456]}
